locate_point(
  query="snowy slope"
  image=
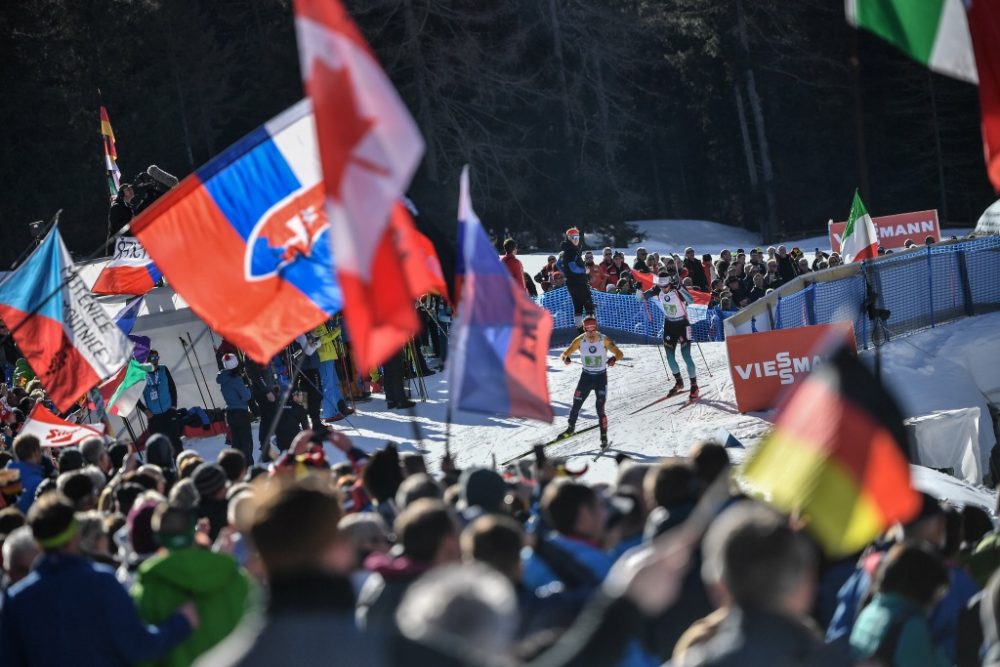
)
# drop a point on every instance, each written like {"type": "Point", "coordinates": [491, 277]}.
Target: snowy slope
{"type": "Point", "coordinates": [923, 383]}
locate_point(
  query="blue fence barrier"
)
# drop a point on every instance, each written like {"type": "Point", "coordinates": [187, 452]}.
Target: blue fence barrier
{"type": "Point", "coordinates": [628, 319]}
{"type": "Point", "coordinates": [920, 288]}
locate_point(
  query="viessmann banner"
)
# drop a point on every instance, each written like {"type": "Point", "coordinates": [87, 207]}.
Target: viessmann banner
{"type": "Point", "coordinates": [893, 230]}
{"type": "Point", "coordinates": [763, 365]}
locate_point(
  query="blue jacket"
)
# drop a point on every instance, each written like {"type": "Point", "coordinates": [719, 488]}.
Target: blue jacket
{"type": "Point", "coordinates": [572, 265]}
{"type": "Point", "coordinates": [159, 394]}
{"type": "Point", "coordinates": [70, 611]}
{"type": "Point", "coordinates": [234, 390]}
{"type": "Point", "coordinates": [31, 476]}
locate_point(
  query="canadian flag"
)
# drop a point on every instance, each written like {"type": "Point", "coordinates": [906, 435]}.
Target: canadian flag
{"type": "Point", "coordinates": [369, 147]}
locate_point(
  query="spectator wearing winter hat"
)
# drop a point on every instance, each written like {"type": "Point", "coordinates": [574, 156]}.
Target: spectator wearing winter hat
{"type": "Point", "coordinates": [210, 480]}
{"type": "Point", "coordinates": [216, 584]}
{"type": "Point", "coordinates": [482, 492]}
{"type": "Point", "coordinates": [428, 537]}
{"type": "Point", "coordinates": [572, 265]}
{"type": "Point", "coordinates": [28, 462]}
{"type": "Point", "coordinates": [159, 452]}
{"type": "Point", "coordinates": [237, 397]}
{"type": "Point", "coordinates": [310, 611]}
{"type": "Point", "coordinates": [140, 543]}
{"type": "Point", "coordinates": [105, 628]}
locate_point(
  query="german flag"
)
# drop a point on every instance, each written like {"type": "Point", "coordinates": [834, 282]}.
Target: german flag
{"type": "Point", "coordinates": [838, 455]}
{"type": "Point", "coordinates": [110, 153]}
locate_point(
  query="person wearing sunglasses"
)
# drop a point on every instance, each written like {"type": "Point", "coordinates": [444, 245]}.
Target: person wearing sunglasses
{"type": "Point", "coordinates": [572, 265]}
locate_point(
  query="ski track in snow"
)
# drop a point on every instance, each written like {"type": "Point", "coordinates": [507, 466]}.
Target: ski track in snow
{"type": "Point", "coordinates": [664, 429]}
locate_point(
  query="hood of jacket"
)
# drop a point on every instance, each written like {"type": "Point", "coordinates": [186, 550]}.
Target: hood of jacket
{"type": "Point", "coordinates": [195, 570]}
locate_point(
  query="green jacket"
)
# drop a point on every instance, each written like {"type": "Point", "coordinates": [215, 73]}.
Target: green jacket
{"type": "Point", "coordinates": [216, 584]}
{"type": "Point", "coordinates": [985, 559]}
{"type": "Point", "coordinates": [893, 625]}
{"type": "Point", "coordinates": [22, 373]}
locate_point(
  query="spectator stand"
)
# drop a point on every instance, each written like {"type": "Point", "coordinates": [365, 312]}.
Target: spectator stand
{"type": "Point", "coordinates": [920, 288]}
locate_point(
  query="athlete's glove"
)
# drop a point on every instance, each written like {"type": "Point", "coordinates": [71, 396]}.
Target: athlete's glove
{"type": "Point", "coordinates": [567, 361]}
{"type": "Point", "coordinates": [612, 360]}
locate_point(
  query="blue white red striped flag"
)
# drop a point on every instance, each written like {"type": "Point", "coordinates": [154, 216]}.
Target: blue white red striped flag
{"type": "Point", "coordinates": [499, 361]}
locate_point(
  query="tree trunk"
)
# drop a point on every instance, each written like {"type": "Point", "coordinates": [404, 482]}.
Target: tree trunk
{"type": "Point", "coordinates": [425, 117]}
{"type": "Point", "coordinates": [745, 136]}
{"type": "Point", "coordinates": [557, 49]}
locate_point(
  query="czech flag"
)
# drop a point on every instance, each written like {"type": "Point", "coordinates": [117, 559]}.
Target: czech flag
{"type": "Point", "coordinates": [838, 455]}
{"type": "Point", "coordinates": [131, 271]}
{"type": "Point", "coordinates": [501, 338]}
{"type": "Point", "coordinates": [370, 147]}
{"type": "Point", "coordinates": [63, 332]}
{"type": "Point", "coordinates": [245, 240]}
{"type": "Point", "coordinates": [53, 431]}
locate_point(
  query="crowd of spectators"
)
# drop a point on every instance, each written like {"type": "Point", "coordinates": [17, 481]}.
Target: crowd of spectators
{"type": "Point", "coordinates": [733, 279]}
{"type": "Point", "coordinates": [333, 554]}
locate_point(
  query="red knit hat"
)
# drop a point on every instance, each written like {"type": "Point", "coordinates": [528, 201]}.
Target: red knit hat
{"type": "Point", "coordinates": [572, 231]}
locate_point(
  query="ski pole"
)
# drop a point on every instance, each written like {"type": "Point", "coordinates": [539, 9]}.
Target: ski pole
{"type": "Point", "coordinates": [198, 361]}
{"type": "Point", "coordinates": [191, 367]}
{"type": "Point", "coordinates": [702, 353]}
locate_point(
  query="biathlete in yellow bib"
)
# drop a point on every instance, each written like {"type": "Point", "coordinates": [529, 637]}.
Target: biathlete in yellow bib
{"type": "Point", "coordinates": [594, 349]}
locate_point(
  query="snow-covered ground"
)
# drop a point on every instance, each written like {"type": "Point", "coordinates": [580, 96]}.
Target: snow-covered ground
{"type": "Point", "coordinates": [937, 369]}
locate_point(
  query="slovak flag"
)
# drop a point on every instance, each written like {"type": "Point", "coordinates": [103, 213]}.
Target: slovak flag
{"type": "Point", "coordinates": [63, 332]}
{"type": "Point", "coordinates": [370, 147]}
{"type": "Point", "coordinates": [245, 239]}
{"type": "Point", "coordinates": [499, 360]}
{"type": "Point", "coordinates": [54, 431]}
{"type": "Point", "coordinates": [131, 271]}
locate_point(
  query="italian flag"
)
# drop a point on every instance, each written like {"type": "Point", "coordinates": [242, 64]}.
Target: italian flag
{"type": "Point", "coordinates": [121, 393]}
{"type": "Point", "coordinates": [860, 240]}
{"type": "Point", "coordinates": [932, 32]}
{"type": "Point", "coordinates": [957, 38]}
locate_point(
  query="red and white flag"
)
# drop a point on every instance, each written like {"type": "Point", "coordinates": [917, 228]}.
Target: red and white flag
{"type": "Point", "coordinates": [369, 148]}
{"type": "Point", "coordinates": [53, 431]}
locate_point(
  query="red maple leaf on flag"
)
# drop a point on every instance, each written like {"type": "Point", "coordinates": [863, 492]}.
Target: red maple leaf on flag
{"type": "Point", "coordinates": [340, 138]}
